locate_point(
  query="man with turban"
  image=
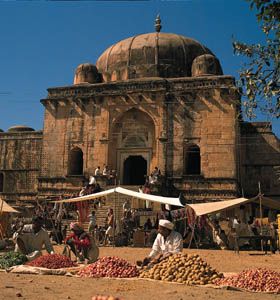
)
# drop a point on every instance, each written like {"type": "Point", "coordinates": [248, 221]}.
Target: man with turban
{"type": "Point", "coordinates": [167, 242]}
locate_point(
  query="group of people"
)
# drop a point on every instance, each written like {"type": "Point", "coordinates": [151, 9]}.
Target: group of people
{"type": "Point", "coordinates": [31, 238]}
{"type": "Point", "coordinates": [241, 226]}
{"type": "Point", "coordinates": [106, 172]}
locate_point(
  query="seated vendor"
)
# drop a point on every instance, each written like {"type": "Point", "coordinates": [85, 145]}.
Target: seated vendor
{"type": "Point", "coordinates": [167, 241]}
{"type": "Point", "coordinates": [31, 238]}
{"type": "Point", "coordinates": [81, 244]}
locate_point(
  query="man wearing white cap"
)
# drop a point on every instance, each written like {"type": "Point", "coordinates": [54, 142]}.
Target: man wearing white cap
{"type": "Point", "coordinates": [167, 241]}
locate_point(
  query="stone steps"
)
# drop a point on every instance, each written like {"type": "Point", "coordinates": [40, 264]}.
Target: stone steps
{"type": "Point", "coordinates": [114, 201]}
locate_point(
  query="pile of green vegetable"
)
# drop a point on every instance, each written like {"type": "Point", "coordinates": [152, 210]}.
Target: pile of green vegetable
{"type": "Point", "coordinates": [12, 259]}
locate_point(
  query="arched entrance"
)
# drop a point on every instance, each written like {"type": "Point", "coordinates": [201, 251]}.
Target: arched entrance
{"type": "Point", "coordinates": [75, 166]}
{"type": "Point", "coordinates": [133, 140]}
{"type": "Point", "coordinates": [134, 170]}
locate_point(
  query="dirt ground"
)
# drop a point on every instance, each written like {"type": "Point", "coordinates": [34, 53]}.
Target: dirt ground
{"type": "Point", "coordinates": [40, 287]}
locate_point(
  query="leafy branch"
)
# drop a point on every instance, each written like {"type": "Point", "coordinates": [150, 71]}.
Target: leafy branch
{"type": "Point", "coordinates": [259, 76]}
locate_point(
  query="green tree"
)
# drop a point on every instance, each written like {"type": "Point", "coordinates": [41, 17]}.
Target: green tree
{"type": "Point", "coordinates": [259, 76]}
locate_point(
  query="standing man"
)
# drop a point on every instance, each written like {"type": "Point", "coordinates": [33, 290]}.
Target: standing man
{"type": "Point", "coordinates": [31, 239]}
{"type": "Point", "coordinates": [110, 222]}
{"type": "Point", "coordinates": [92, 223]}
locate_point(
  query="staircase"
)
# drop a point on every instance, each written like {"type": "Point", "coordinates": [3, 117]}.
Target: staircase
{"type": "Point", "coordinates": [115, 201]}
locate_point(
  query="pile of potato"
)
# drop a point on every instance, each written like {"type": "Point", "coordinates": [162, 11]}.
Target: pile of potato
{"type": "Point", "coordinates": [182, 268]}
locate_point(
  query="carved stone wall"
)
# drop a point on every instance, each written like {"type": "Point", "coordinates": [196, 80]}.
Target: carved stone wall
{"type": "Point", "coordinates": [20, 162]}
{"type": "Point", "coordinates": [155, 118]}
{"type": "Point", "coordinates": [260, 154]}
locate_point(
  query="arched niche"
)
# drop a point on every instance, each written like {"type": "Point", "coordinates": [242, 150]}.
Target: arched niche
{"type": "Point", "coordinates": [75, 166]}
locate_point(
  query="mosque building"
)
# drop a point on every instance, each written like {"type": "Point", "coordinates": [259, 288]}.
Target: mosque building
{"type": "Point", "coordinates": [151, 100]}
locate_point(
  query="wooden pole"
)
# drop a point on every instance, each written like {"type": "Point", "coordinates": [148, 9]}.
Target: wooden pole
{"type": "Point", "coordinates": [1, 212]}
{"type": "Point", "coordinates": [261, 215]}
{"type": "Point", "coordinates": [114, 214]}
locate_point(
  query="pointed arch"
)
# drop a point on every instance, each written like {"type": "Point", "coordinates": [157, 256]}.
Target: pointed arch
{"type": "Point", "coordinates": [192, 160]}
{"type": "Point", "coordinates": [134, 128]}
{"type": "Point", "coordinates": [133, 109]}
{"type": "Point", "coordinates": [76, 161]}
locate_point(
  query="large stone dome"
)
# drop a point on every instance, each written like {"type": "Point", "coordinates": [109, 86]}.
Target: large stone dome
{"type": "Point", "coordinates": [154, 54]}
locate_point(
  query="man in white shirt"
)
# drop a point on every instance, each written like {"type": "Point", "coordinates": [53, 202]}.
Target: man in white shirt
{"type": "Point", "coordinates": [32, 238]}
{"type": "Point", "coordinates": [92, 180]}
{"type": "Point", "coordinates": [235, 222]}
{"type": "Point", "coordinates": [167, 241]}
{"type": "Point", "coordinates": [97, 171]}
{"type": "Point", "coordinates": [105, 171]}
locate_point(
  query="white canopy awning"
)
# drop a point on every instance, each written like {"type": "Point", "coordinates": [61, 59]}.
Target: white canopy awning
{"type": "Point", "coordinates": [212, 207]}
{"type": "Point", "coordinates": [87, 197]}
{"type": "Point", "coordinates": [152, 198]}
{"type": "Point", "coordinates": [199, 209]}
{"type": "Point", "coordinates": [268, 202]}
{"type": "Point", "coordinates": [6, 208]}
{"type": "Point", "coordinates": [120, 190]}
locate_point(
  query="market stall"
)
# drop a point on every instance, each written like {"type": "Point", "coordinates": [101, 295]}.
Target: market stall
{"type": "Point", "coordinates": [5, 210]}
{"type": "Point", "coordinates": [120, 190]}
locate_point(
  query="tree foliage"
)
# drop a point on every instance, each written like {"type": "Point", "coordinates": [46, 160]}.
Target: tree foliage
{"type": "Point", "coordinates": [259, 76]}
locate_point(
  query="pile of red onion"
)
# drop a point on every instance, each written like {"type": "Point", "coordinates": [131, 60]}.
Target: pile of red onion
{"type": "Point", "coordinates": [110, 266]}
{"type": "Point", "coordinates": [257, 280]}
{"type": "Point", "coordinates": [52, 261]}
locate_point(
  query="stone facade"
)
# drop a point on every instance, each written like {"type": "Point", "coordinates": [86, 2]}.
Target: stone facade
{"type": "Point", "coordinates": [260, 159]}
{"type": "Point", "coordinates": [188, 125]}
{"type": "Point", "coordinates": [20, 163]}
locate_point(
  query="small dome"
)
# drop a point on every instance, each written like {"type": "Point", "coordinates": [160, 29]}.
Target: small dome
{"type": "Point", "coordinates": [206, 64]}
{"type": "Point", "coordinates": [20, 128]}
{"type": "Point", "coordinates": [87, 73]}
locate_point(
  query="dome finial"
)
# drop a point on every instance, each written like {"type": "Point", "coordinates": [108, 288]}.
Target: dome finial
{"type": "Point", "coordinates": [158, 23]}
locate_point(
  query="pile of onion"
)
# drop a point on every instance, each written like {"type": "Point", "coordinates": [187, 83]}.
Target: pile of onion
{"type": "Point", "coordinates": [256, 280]}
{"type": "Point", "coordinates": [109, 266]}
{"type": "Point", "coordinates": [52, 261]}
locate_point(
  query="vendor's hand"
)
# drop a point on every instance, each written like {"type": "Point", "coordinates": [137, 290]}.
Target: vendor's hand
{"type": "Point", "coordinates": [157, 258]}
{"type": "Point", "coordinates": [139, 263]}
{"type": "Point", "coordinates": [146, 261]}
{"type": "Point", "coordinates": [166, 255]}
